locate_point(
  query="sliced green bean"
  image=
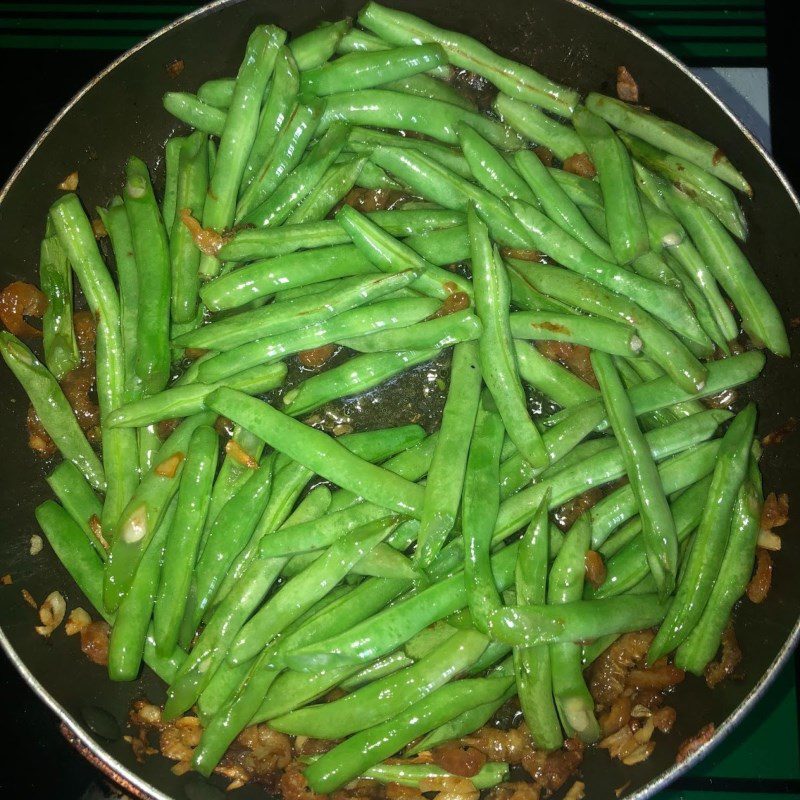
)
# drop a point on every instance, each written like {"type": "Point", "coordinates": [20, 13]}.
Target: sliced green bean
{"type": "Point", "coordinates": [498, 362]}
{"type": "Point", "coordinates": [463, 51]}
{"type": "Point", "coordinates": [705, 557]}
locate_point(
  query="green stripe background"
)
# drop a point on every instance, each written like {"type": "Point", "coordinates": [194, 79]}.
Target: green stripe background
{"type": "Point", "coordinates": [709, 31]}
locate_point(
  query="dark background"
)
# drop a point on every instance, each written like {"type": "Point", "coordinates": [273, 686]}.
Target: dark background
{"type": "Point", "coordinates": [49, 50]}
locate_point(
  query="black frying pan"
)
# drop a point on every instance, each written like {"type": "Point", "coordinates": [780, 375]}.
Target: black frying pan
{"type": "Point", "coordinates": [120, 113]}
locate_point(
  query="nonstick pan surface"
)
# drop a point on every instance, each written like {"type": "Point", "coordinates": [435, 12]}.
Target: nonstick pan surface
{"type": "Point", "coordinates": [120, 114]}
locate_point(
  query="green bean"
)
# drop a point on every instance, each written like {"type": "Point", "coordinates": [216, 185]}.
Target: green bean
{"type": "Point", "coordinates": [314, 48]}
{"type": "Point", "coordinates": [78, 499]}
{"type": "Point", "coordinates": [331, 190]}
{"type": "Point", "coordinates": [183, 401]}
{"type": "Point", "coordinates": [443, 247]}
{"type": "Point", "coordinates": [576, 621]}
{"type": "Point", "coordinates": [677, 473]}
{"type": "Point", "coordinates": [362, 750]}
{"type": "Point", "coordinates": [390, 255]}
{"type": "Point", "coordinates": [388, 696]}
{"type": "Point", "coordinates": [194, 112]}
{"type": "Point", "coordinates": [565, 585]}
{"type": "Point", "coordinates": [700, 647]}
{"type": "Point", "coordinates": [357, 41]}
{"type": "Point", "coordinates": [446, 473]}
{"type": "Point", "coordinates": [378, 669]}
{"type": "Point", "coordinates": [306, 588]}
{"type": "Point", "coordinates": [534, 678]}
{"type": "Point", "coordinates": [116, 222]}
{"type": "Point", "coordinates": [538, 127]}
{"type": "Point", "coordinates": [370, 69]}
{"type": "Point", "coordinates": [760, 317]}
{"type": "Point", "coordinates": [238, 135]}
{"type": "Point", "coordinates": [584, 192]}
{"type": "Point", "coordinates": [466, 722]}
{"type": "Point", "coordinates": [363, 322]}
{"type": "Point", "coordinates": [559, 441]}
{"type": "Point", "coordinates": [662, 228]}
{"type": "Point", "coordinates": [498, 363]}
{"type": "Point", "coordinates": [380, 108]}
{"type": "Point", "coordinates": [490, 169]}
{"type": "Point", "coordinates": [119, 447]}
{"type": "Point", "coordinates": [423, 775]}
{"type": "Point", "coordinates": [172, 152]}
{"type": "Point", "coordinates": [659, 343]}
{"type": "Point", "coordinates": [391, 627]}
{"type": "Point", "coordinates": [353, 377]}
{"type": "Point", "coordinates": [285, 154]}
{"type": "Point", "coordinates": [251, 244]}
{"type": "Point", "coordinates": [247, 326]}
{"type": "Point", "coordinates": [603, 335]}
{"type": "Point", "coordinates": [463, 51]}
{"type": "Point", "coordinates": [55, 278]}
{"type": "Point", "coordinates": [192, 185]}
{"type": "Point", "coordinates": [283, 90]}
{"type": "Point", "coordinates": [365, 140]}
{"type": "Point", "coordinates": [481, 501]}
{"type": "Point", "coordinates": [301, 181]}
{"type": "Point", "coordinates": [668, 136]}
{"type": "Point", "coordinates": [524, 296]}
{"type": "Point", "coordinates": [704, 560]}
{"type": "Point", "coordinates": [144, 511]}
{"type": "Point", "coordinates": [558, 206]}
{"type": "Point", "coordinates": [550, 378]}
{"type": "Point", "coordinates": [217, 92]}
{"type": "Point", "coordinates": [81, 562]}
{"type": "Point", "coordinates": [627, 228]}
{"type": "Point", "coordinates": [658, 527]}
{"type": "Point", "coordinates": [52, 408]}
{"type": "Point", "coordinates": [664, 302]}
{"type": "Point", "coordinates": [151, 251]}
{"type": "Point", "coordinates": [183, 541]}
{"type": "Point", "coordinates": [319, 452]}
{"type": "Point", "coordinates": [439, 184]}
{"type": "Point", "coordinates": [263, 278]}
{"type": "Point", "coordinates": [129, 632]}
{"type": "Point", "coordinates": [437, 333]}
{"type": "Point", "coordinates": [701, 186]}
{"type": "Point", "coordinates": [428, 86]}
{"type": "Point", "coordinates": [628, 565]}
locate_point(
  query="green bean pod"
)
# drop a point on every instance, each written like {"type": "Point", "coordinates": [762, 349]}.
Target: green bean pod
{"type": "Point", "coordinates": [58, 335]}
{"type": "Point", "coordinates": [217, 92]}
{"type": "Point", "coordinates": [366, 70]}
{"type": "Point", "coordinates": [658, 530]}
{"type": "Point", "coordinates": [239, 133]}
{"type": "Point", "coordinates": [379, 108]}
{"type": "Point", "coordinates": [391, 255]}
{"type": "Point", "coordinates": [431, 87]}
{"type": "Point", "coordinates": [463, 51]}
{"type": "Point", "coordinates": [194, 112]}
{"type": "Point", "coordinates": [314, 48]}
{"type": "Point", "coordinates": [247, 326]}
{"type": "Point", "coordinates": [565, 585]}
{"type": "Point", "coordinates": [52, 408]}
{"type": "Point", "coordinates": [183, 540]}
{"type": "Point", "coordinates": [532, 672]}
{"type": "Point", "coordinates": [331, 190]}
{"type": "Point", "coordinates": [498, 362]}
{"type": "Point", "coordinates": [78, 498]}
{"type": "Point", "coordinates": [702, 567]}
{"type": "Point", "coordinates": [172, 151]}
{"type": "Point", "coordinates": [668, 136]}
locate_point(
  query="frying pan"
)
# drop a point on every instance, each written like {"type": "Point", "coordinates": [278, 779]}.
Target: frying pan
{"type": "Point", "coordinates": [120, 113]}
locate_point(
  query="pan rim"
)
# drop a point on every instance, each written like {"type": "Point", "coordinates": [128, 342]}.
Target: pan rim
{"type": "Point", "coordinates": [664, 778]}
